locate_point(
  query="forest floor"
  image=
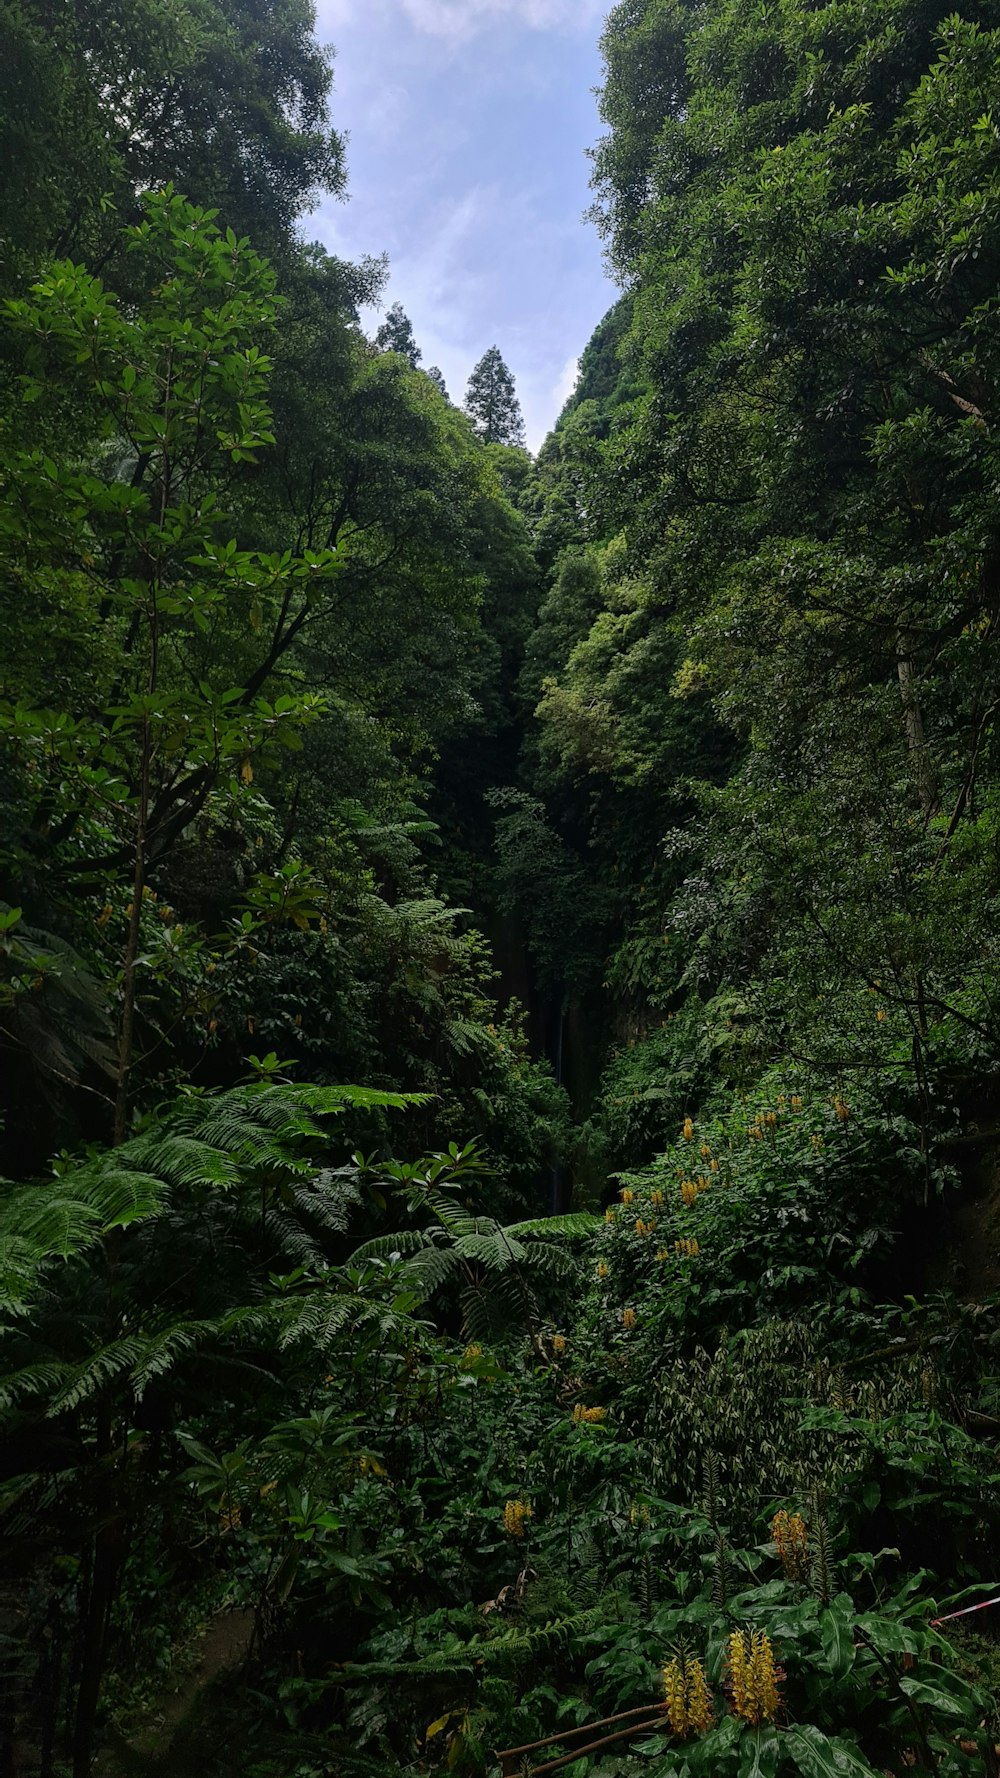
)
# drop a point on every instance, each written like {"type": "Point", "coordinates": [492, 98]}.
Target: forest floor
{"type": "Point", "coordinates": [968, 1261]}
{"type": "Point", "coordinates": [177, 1736]}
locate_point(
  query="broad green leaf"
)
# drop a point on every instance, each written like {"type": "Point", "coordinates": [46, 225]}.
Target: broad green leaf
{"type": "Point", "coordinates": [837, 1636]}
{"type": "Point", "coordinates": [889, 1636]}
{"type": "Point", "coordinates": [934, 1697]}
{"type": "Point", "coordinates": [759, 1752]}
{"type": "Point", "coordinates": [820, 1756]}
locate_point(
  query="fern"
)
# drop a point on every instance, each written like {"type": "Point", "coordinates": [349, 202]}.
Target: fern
{"type": "Point", "coordinates": [517, 1646]}
{"type": "Point", "coordinates": [238, 1144]}
{"type": "Point", "coordinates": [577, 1222]}
{"type": "Point", "coordinates": [446, 1665]}
{"type": "Point", "coordinates": [497, 1263]}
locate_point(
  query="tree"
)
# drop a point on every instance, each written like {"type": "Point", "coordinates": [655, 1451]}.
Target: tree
{"type": "Point", "coordinates": [396, 335]}
{"type": "Point", "coordinates": [491, 402]}
{"type": "Point", "coordinates": [226, 99]}
{"type": "Point", "coordinates": [437, 379]}
{"type": "Point", "coordinates": [808, 538]}
{"type": "Point", "coordinates": [129, 552]}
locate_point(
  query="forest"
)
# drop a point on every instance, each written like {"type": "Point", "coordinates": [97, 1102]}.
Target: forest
{"type": "Point", "coordinates": [500, 953]}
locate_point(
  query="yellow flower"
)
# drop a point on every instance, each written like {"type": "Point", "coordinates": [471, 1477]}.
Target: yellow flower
{"type": "Point", "coordinates": [515, 1513]}
{"type": "Point", "coordinates": [628, 1318]}
{"type": "Point", "coordinates": [673, 1692]}
{"type": "Point", "coordinates": [589, 1416]}
{"type": "Point", "coordinates": [791, 1538]}
{"type": "Point", "coordinates": [739, 1676]}
{"type": "Point", "coordinates": [471, 1353]}
{"type": "Point", "coordinates": [627, 1196]}
{"type": "Point", "coordinates": [689, 1192]}
{"type": "Point", "coordinates": [688, 1699]}
{"type": "Point", "coordinates": [656, 1199]}
{"type": "Point", "coordinates": [880, 1015]}
{"type": "Point", "coordinates": [842, 1108]}
{"type": "Point", "coordinates": [753, 1677]}
{"type": "Point", "coordinates": [609, 1215]}
{"type": "Point", "coordinates": [699, 1698]}
{"type": "Point", "coordinates": [796, 1101]}
{"type": "Point", "coordinates": [688, 1130]}
{"type": "Point", "coordinates": [602, 1269]}
{"type": "Point", "coordinates": [559, 1343]}
{"type": "Point", "coordinates": [706, 1152]}
{"type": "Point", "coordinates": [662, 1253]}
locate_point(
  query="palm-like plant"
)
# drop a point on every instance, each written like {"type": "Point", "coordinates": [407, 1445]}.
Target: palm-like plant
{"type": "Point", "coordinates": [496, 1266]}
{"type": "Point", "coordinates": [209, 1235]}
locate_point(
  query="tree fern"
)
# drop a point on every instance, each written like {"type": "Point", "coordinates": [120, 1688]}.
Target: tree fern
{"type": "Point", "coordinates": [236, 1143]}
{"type": "Point", "coordinates": [496, 1264]}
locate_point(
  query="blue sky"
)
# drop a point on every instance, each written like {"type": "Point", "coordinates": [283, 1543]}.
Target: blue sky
{"type": "Point", "coordinates": [468, 123]}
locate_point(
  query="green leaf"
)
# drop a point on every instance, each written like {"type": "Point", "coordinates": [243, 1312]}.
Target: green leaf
{"type": "Point", "coordinates": [889, 1636]}
{"type": "Point", "coordinates": [836, 1631]}
{"type": "Point", "coordinates": [759, 1750]}
{"type": "Point", "coordinates": [820, 1756]}
{"type": "Point", "coordinates": [933, 1697]}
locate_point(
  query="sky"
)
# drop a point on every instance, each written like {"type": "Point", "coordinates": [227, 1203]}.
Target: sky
{"type": "Point", "coordinates": [468, 125]}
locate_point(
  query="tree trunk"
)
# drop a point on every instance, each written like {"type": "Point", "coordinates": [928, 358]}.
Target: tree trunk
{"type": "Point", "coordinates": [922, 765]}
{"type": "Point", "coordinates": [103, 1578]}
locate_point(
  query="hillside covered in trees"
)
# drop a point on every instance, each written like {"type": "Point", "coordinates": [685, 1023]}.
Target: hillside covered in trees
{"type": "Point", "coordinates": [500, 954]}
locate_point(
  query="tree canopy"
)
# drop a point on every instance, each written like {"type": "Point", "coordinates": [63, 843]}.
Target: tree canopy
{"type": "Point", "coordinates": [491, 402]}
{"type": "Point", "coordinates": [606, 1377]}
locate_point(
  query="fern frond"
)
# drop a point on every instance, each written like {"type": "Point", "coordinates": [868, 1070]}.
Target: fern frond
{"type": "Point", "coordinates": [119, 1197]}
{"type": "Point", "coordinates": [31, 1381]}
{"type": "Point", "coordinates": [576, 1222]}
{"type": "Point", "coordinates": [406, 1242]}
{"type": "Point", "coordinates": [516, 1645]}
{"type": "Point", "coordinates": [497, 1308]}
{"type": "Point", "coordinates": [437, 1666]}
{"type": "Point", "coordinates": [432, 1267]}
{"type": "Point", "coordinates": [178, 1159]}
{"type": "Point", "coordinates": [551, 1261]}
{"type": "Point", "coordinates": [485, 1251]}
{"type": "Point", "coordinates": [49, 1222]}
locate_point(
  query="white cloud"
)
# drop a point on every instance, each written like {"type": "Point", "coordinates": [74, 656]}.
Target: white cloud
{"type": "Point", "coordinates": [566, 383]}
{"type": "Point", "coordinates": [458, 20]}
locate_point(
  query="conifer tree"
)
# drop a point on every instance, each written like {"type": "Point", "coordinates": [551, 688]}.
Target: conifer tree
{"type": "Point", "coordinates": [491, 402]}
{"type": "Point", "coordinates": [396, 335]}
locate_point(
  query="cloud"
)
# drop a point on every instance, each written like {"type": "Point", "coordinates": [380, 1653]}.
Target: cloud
{"type": "Point", "coordinates": [458, 20]}
{"type": "Point", "coordinates": [566, 383]}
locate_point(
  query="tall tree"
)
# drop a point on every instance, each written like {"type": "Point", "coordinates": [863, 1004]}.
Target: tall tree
{"type": "Point", "coordinates": [491, 402]}
{"type": "Point", "coordinates": [226, 99]}
{"type": "Point", "coordinates": [396, 335]}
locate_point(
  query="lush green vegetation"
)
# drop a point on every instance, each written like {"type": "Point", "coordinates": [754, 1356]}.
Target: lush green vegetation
{"type": "Point", "coordinates": [622, 823]}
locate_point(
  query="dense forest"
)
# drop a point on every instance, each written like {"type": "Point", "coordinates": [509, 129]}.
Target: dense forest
{"type": "Point", "coordinates": [500, 954]}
